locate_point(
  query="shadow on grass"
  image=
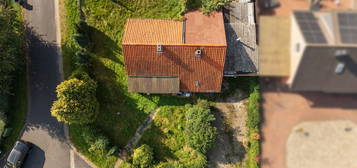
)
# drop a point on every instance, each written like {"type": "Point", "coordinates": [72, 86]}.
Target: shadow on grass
{"type": "Point", "coordinates": [104, 46]}
{"type": "Point", "coordinates": [122, 4]}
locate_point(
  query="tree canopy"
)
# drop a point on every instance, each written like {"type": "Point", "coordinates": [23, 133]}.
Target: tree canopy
{"type": "Point", "coordinates": [200, 134]}
{"type": "Point", "coordinates": [10, 46]}
{"type": "Point", "coordinates": [76, 100]}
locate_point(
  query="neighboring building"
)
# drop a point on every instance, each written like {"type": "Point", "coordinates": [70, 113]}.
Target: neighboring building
{"type": "Point", "coordinates": [242, 49]}
{"type": "Point", "coordinates": [171, 56]}
{"type": "Point", "coordinates": [311, 50]}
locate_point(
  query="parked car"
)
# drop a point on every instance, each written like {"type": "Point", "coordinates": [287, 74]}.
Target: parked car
{"type": "Point", "coordinates": [18, 154]}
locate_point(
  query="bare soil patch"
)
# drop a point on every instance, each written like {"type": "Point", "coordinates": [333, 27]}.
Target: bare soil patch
{"type": "Point", "coordinates": [231, 116]}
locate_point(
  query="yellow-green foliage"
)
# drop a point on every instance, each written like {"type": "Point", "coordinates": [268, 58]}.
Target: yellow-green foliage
{"type": "Point", "coordinates": [76, 102]}
{"type": "Point", "coordinates": [143, 156]}
{"type": "Point", "coordinates": [253, 122]}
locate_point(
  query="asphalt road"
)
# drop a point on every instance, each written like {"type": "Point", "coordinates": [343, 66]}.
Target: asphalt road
{"type": "Point", "coordinates": [51, 148]}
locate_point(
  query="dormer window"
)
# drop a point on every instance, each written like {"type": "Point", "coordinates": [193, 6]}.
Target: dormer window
{"type": "Point", "coordinates": [197, 83]}
{"type": "Point", "coordinates": [340, 68]}
{"type": "Point", "coordinates": [198, 53]}
{"type": "Point", "coordinates": [341, 53]}
{"type": "Point", "coordinates": [159, 48]}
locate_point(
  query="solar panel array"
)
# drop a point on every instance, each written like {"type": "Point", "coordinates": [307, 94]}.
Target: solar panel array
{"type": "Point", "coordinates": [348, 27]}
{"type": "Point", "coordinates": [309, 27]}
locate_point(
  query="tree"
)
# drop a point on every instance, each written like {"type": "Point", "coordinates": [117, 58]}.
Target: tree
{"type": "Point", "coordinates": [143, 156]}
{"type": "Point", "coordinates": [200, 134]}
{"type": "Point", "coordinates": [76, 100]}
{"type": "Point", "coordinates": [11, 44]}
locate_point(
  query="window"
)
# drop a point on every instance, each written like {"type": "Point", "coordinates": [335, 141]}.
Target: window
{"type": "Point", "coordinates": [159, 48]}
{"type": "Point", "coordinates": [339, 68]}
{"type": "Point", "coordinates": [341, 53]}
{"type": "Point", "coordinates": [197, 83]}
{"type": "Point", "coordinates": [198, 53]}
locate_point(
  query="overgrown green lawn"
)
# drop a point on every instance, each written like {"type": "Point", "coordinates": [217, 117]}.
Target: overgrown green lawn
{"type": "Point", "coordinates": [121, 112]}
{"type": "Point", "coordinates": [166, 135]}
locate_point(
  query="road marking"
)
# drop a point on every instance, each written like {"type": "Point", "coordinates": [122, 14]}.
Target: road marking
{"type": "Point", "coordinates": [72, 158]}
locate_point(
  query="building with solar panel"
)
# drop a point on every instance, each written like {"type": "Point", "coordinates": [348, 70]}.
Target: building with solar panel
{"type": "Point", "coordinates": [311, 51]}
{"type": "Point", "coordinates": [323, 51]}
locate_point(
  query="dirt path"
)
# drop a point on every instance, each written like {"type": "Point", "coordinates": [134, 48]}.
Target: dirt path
{"type": "Point", "coordinates": [230, 122]}
{"type": "Point", "coordinates": [138, 134]}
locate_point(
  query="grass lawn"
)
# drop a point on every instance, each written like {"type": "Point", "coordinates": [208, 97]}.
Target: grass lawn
{"type": "Point", "coordinates": [16, 114]}
{"type": "Point", "coordinates": [166, 135]}
{"type": "Point", "coordinates": [120, 112]}
{"type": "Point", "coordinates": [101, 160]}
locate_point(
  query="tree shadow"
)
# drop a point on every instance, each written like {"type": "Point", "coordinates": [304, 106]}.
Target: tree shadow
{"type": "Point", "coordinates": [43, 78]}
{"type": "Point", "coordinates": [122, 4]}
{"type": "Point", "coordinates": [101, 42]}
{"type": "Point", "coordinates": [26, 5]}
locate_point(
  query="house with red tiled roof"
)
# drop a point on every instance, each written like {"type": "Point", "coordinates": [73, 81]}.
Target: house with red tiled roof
{"type": "Point", "coordinates": [172, 56]}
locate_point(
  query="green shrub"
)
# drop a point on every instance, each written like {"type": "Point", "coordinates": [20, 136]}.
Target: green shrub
{"type": "Point", "coordinates": [3, 120]}
{"type": "Point", "coordinates": [126, 164]}
{"type": "Point", "coordinates": [11, 41]}
{"type": "Point", "coordinates": [100, 145]}
{"type": "Point", "coordinates": [253, 109]}
{"type": "Point", "coordinates": [82, 60]}
{"type": "Point", "coordinates": [253, 151]}
{"type": "Point", "coordinates": [213, 5]}
{"type": "Point", "coordinates": [200, 134]}
{"type": "Point", "coordinates": [171, 164]}
{"type": "Point", "coordinates": [143, 156]}
{"type": "Point", "coordinates": [112, 150]}
{"type": "Point", "coordinates": [191, 158]}
{"type": "Point", "coordinates": [206, 6]}
{"type": "Point", "coordinates": [77, 102]}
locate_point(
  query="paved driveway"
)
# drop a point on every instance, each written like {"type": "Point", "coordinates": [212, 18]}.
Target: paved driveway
{"type": "Point", "coordinates": [283, 110]}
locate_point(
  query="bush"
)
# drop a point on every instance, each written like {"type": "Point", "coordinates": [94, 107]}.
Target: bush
{"type": "Point", "coordinates": [11, 48]}
{"type": "Point", "coordinates": [3, 120]}
{"type": "Point", "coordinates": [206, 6]}
{"type": "Point", "coordinates": [100, 145]}
{"type": "Point", "coordinates": [253, 109]}
{"type": "Point", "coordinates": [76, 100]}
{"type": "Point", "coordinates": [171, 164]}
{"type": "Point", "coordinates": [97, 142]}
{"type": "Point", "coordinates": [213, 5]}
{"type": "Point", "coordinates": [82, 60]}
{"type": "Point", "coordinates": [143, 156]}
{"type": "Point", "coordinates": [191, 158]}
{"type": "Point", "coordinates": [112, 151]}
{"type": "Point", "coordinates": [200, 134]}
{"type": "Point", "coordinates": [126, 164]}
{"type": "Point", "coordinates": [253, 121]}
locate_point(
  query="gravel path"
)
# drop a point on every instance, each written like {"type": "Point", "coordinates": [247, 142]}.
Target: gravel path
{"type": "Point", "coordinates": [230, 121]}
{"type": "Point", "coordinates": [138, 134]}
